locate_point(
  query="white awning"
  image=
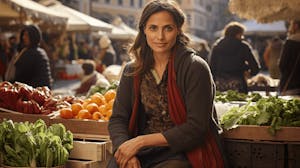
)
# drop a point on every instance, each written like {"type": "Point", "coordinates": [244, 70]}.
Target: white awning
{"type": "Point", "coordinates": [78, 21]}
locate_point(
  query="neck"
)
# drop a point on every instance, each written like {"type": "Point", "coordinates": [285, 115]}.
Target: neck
{"type": "Point", "coordinates": [160, 64]}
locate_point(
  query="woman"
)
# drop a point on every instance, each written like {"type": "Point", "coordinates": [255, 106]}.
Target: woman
{"type": "Point", "coordinates": [289, 63]}
{"type": "Point", "coordinates": [162, 115]}
{"type": "Point", "coordinates": [31, 65]}
{"type": "Point", "coordinates": [232, 60]}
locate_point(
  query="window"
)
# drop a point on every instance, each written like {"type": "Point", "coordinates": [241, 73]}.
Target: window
{"type": "Point", "coordinates": [140, 3]}
{"type": "Point", "coordinates": [131, 2]}
{"type": "Point", "coordinates": [120, 2]}
{"type": "Point", "coordinates": [107, 1]}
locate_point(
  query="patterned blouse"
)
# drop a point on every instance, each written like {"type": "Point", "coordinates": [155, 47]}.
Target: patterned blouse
{"type": "Point", "coordinates": [154, 97]}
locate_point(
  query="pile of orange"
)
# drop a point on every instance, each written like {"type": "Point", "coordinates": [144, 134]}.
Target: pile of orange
{"type": "Point", "coordinates": [96, 107]}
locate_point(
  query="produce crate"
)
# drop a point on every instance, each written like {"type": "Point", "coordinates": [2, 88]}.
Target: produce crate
{"type": "Point", "coordinates": [22, 117]}
{"type": "Point", "coordinates": [253, 132]}
{"type": "Point", "coordinates": [253, 154]}
{"type": "Point", "coordinates": [293, 152]}
{"type": "Point", "coordinates": [89, 154]}
{"type": "Point", "coordinates": [89, 127]}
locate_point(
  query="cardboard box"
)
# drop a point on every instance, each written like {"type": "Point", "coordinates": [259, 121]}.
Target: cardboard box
{"type": "Point", "coordinates": [254, 132]}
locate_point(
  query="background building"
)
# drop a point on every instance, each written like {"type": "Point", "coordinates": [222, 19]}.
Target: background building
{"type": "Point", "coordinates": [204, 17]}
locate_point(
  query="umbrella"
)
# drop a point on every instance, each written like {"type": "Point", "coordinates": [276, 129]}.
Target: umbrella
{"type": "Point", "coordinates": [267, 10]}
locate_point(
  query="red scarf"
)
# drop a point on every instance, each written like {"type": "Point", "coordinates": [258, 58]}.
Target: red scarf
{"type": "Point", "coordinates": [206, 156]}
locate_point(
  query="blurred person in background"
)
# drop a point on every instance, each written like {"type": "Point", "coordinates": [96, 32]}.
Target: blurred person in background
{"type": "Point", "coordinates": [290, 61]}
{"type": "Point", "coordinates": [232, 60]}
{"type": "Point", "coordinates": [90, 77]}
{"type": "Point", "coordinates": [31, 64]}
{"type": "Point", "coordinates": [204, 51]}
{"type": "Point", "coordinates": [13, 46]}
{"type": "Point", "coordinates": [3, 56]}
{"type": "Point", "coordinates": [272, 57]}
{"type": "Point", "coordinates": [107, 55]}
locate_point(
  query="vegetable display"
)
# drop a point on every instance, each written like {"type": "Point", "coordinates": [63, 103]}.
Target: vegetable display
{"type": "Point", "coordinates": [26, 99]}
{"type": "Point", "coordinates": [33, 144]}
{"type": "Point", "coordinates": [232, 95]}
{"type": "Point", "coordinates": [96, 88]}
{"type": "Point", "coordinates": [272, 111]}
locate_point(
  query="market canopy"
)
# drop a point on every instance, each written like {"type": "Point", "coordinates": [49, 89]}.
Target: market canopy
{"type": "Point", "coordinates": [34, 10]}
{"type": "Point", "coordinates": [118, 22]}
{"type": "Point", "coordinates": [15, 13]}
{"type": "Point", "coordinates": [274, 28]}
{"type": "Point", "coordinates": [267, 10]}
{"type": "Point", "coordinates": [261, 29]}
{"type": "Point", "coordinates": [78, 21]}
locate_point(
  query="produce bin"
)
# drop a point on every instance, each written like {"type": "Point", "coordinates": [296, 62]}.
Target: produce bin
{"type": "Point", "coordinates": [78, 126]}
{"type": "Point", "coordinates": [253, 154]}
{"type": "Point", "coordinates": [251, 146]}
{"type": "Point", "coordinates": [254, 132]}
{"type": "Point", "coordinates": [22, 117]}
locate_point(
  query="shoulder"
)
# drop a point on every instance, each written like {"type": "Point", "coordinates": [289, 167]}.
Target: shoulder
{"type": "Point", "coordinates": [192, 64]}
{"type": "Point", "coordinates": [245, 44]}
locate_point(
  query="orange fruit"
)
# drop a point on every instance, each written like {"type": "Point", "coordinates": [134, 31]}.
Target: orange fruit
{"type": "Point", "coordinates": [92, 107]}
{"type": "Point", "coordinates": [86, 102]}
{"type": "Point", "coordinates": [109, 95]}
{"type": "Point", "coordinates": [110, 104]}
{"type": "Point", "coordinates": [66, 113]}
{"type": "Point", "coordinates": [108, 113]}
{"type": "Point", "coordinates": [102, 109]}
{"type": "Point", "coordinates": [98, 98]}
{"type": "Point", "coordinates": [84, 114]}
{"type": "Point", "coordinates": [97, 115]}
{"type": "Point", "coordinates": [76, 107]}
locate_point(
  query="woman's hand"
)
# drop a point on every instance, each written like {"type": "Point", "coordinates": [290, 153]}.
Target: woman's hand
{"type": "Point", "coordinates": [133, 163]}
{"type": "Point", "coordinates": [127, 151]}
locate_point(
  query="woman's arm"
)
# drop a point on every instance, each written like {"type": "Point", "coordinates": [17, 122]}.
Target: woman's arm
{"type": "Point", "coordinates": [130, 148]}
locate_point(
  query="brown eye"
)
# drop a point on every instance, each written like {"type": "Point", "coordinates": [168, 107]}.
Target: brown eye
{"type": "Point", "coordinates": [169, 28]}
{"type": "Point", "coordinates": [152, 28]}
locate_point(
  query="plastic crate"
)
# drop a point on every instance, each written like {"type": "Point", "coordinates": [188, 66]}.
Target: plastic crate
{"type": "Point", "coordinates": [293, 155]}
{"type": "Point", "coordinates": [254, 154]}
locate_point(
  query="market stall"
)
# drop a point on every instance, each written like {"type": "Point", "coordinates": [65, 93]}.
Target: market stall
{"type": "Point", "coordinates": [85, 118]}
{"type": "Point", "coordinates": [19, 12]}
{"type": "Point", "coordinates": [260, 131]}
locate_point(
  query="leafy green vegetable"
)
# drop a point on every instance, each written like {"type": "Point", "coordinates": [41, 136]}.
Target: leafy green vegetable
{"type": "Point", "coordinates": [232, 95]}
{"type": "Point", "coordinates": [33, 144]}
{"type": "Point", "coordinates": [273, 111]}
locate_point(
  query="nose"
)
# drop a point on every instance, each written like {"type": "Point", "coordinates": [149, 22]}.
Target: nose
{"type": "Point", "coordinates": [160, 34]}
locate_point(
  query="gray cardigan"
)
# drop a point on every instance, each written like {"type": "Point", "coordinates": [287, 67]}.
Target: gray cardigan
{"type": "Point", "coordinates": [196, 85]}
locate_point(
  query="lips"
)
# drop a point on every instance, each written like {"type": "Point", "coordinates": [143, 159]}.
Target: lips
{"type": "Point", "coordinates": [160, 44]}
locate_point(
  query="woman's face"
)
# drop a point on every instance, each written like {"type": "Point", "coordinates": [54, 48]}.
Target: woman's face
{"type": "Point", "coordinates": [26, 38]}
{"type": "Point", "coordinates": [161, 32]}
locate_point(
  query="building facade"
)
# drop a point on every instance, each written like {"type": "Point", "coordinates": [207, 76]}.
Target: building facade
{"type": "Point", "coordinates": [204, 17]}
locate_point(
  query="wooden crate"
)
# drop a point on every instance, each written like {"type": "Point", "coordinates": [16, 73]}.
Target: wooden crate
{"type": "Point", "coordinates": [253, 132]}
{"type": "Point", "coordinates": [254, 154]}
{"type": "Point", "coordinates": [77, 126]}
{"type": "Point", "coordinates": [85, 164]}
{"type": "Point", "coordinates": [89, 153]}
{"type": "Point", "coordinates": [293, 155]}
{"type": "Point", "coordinates": [84, 150]}
{"type": "Point", "coordinates": [22, 117]}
